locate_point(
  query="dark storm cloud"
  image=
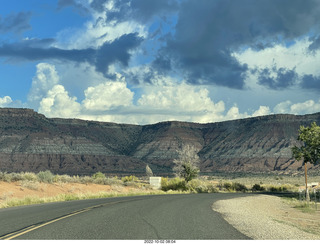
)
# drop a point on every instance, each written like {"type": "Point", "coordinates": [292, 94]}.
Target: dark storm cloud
{"type": "Point", "coordinates": [118, 50]}
{"type": "Point", "coordinates": [15, 22]}
{"type": "Point", "coordinates": [277, 79]}
{"type": "Point", "coordinates": [208, 32]}
{"type": "Point", "coordinates": [101, 58]}
{"type": "Point", "coordinates": [311, 82]}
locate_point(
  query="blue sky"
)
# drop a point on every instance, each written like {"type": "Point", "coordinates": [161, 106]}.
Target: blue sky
{"type": "Point", "coordinates": [143, 61]}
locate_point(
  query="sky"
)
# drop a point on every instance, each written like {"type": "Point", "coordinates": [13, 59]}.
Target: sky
{"type": "Point", "coordinates": [147, 61]}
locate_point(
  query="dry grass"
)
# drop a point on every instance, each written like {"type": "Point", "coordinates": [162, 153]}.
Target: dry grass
{"type": "Point", "coordinates": [30, 188]}
{"type": "Point", "coordinates": [18, 189]}
{"type": "Point", "coordinates": [268, 181]}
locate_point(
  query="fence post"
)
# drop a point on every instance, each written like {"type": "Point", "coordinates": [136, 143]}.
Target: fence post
{"type": "Point", "coordinates": [300, 195]}
{"type": "Point", "coordinates": [315, 198]}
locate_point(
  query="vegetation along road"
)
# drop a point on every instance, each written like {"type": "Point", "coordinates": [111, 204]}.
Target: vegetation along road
{"type": "Point", "coordinates": [167, 217]}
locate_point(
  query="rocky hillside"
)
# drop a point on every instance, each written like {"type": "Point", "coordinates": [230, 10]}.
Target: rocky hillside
{"type": "Point", "coordinates": [31, 142]}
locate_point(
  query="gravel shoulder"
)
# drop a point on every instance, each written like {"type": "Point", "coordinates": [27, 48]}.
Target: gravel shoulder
{"type": "Point", "coordinates": [264, 217]}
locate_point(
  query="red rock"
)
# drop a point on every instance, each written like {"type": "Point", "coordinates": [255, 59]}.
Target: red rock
{"type": "Point", "coordinates": [31, 142]}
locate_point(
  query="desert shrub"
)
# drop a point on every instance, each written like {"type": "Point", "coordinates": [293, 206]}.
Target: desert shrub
{"type": "Point", "coordinates": [15, 177]}
{"type": "Point", "coordinates": [4, 176]}
{"type": "Point", "coordinates": [32, 185]}
{"type": "Point", "coordinates": [129, 178]}
{"type": "Point", "coordinates": [11, 177]}
{"type": "Point", "coordinates": [30, 176]}
{"type": "Point", "coordinates": [227, 186]}
{"type": "Point", "coordinates": [86, 180]}
{"type": "Point", "coordinates": [99, 175]}
{"type": "Point", "coordinates": [274, 189]}
{"type": "Point", "coordinates": [175, 184]}
{"type": "Point", "coordinates": [45, 176]}
{"type": "Point", "coordinates": [239, 187]}
{"type": "Point", "coordinates": [107, 181]}
{"type": "Point", "coordinates": [257, 187]}
{"type": "Point", "coordinates": [113, 181]}
{"type": "Point", "coordinates": [234, 186]}
{"type": "Point", "coordinates": [64, 179]}
{"type": "Point", "coordinates": [281, 188]}
{"type": "Point", "coordinates": [199, 186]}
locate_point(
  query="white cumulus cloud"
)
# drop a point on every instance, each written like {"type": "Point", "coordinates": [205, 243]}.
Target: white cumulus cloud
{"type": "Point", "coordinates": [45, 79]}
{"type": "Point", "coordinates": [108, 95]}
{"type": "Point", "coordinates": [307, 107]}
{"type": "Point", "coordinates": [5, 101]}
{"type": "Point", "coordinates": [263, 110]}
{"type": "Point", "coordinates": [58, 103]}
{"type": "Point", "coordinates": [115, 101]}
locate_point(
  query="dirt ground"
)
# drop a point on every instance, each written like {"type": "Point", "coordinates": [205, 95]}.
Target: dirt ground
{"type": "Point", "coordinates": [22, 189]}
{"type": "Point", "coordinates": [265, 217]}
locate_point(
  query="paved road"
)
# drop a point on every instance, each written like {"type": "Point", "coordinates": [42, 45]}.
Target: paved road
{"type": "Point", "coordinates": [168, 217]}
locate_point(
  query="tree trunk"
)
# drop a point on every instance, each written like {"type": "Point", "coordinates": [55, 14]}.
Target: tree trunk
{"type": "Point", "coordinates": [306, 179]}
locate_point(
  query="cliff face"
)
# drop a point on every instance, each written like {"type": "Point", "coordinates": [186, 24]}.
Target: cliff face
{"type": "Point", "coordinates": [31, 142]}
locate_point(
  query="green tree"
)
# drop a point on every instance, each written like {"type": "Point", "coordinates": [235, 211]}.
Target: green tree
{"type": "Point", "coordinates": [310, 149]}
{"type": "Point", "coordinates": [187, 163]}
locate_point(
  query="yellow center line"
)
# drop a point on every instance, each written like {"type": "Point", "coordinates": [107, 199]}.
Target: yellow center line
{"type": "Point", "coordinates": [33, 227]}
{"type": "Point", "coordinates": [47, 223]}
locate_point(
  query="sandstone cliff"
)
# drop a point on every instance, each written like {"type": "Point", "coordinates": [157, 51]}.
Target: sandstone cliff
{"type": "Point", "coordinates": [31, 142]}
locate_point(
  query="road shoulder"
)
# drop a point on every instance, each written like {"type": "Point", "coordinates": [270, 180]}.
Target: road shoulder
{"type": "Point", "coordinates": [264, 217]}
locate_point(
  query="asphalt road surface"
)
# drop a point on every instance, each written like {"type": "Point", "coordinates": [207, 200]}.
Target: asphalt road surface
{"type": "Point", "coordinates": [161, 217]}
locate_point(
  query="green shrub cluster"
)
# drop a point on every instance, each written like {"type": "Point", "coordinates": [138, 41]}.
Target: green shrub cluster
{"type": "Point", "coordinates": [195, 185]}
{"type": "Point", "coordinates": [175, 184]}
{"type": "Point", "coordinates": [45, 176]}
{"type": "Point", "coordinates": [48, 177]}
{"type": "Point", "coordinates": [66, 179]}
{"type": "Point", "coordinates": [233, 187]}
{"type": "Point", "coordinates": [257, 187]}
{"type": "Point", "coordinates": [12, 177]}
{"type": "Point", "coordinates": [130, 178]}
{"type": "Point", "coordinates": [200, 186]}
{"type": "Point", "coordinates": [281, 188]}
{"type": "Point", "coordinates": [98, 175]}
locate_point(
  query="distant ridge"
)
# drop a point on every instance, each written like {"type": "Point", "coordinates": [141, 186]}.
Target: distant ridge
{"type": "Point", "coordinates": [31, 142]}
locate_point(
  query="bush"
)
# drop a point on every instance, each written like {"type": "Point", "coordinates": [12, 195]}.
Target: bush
{"type": "Point", "coordinates": [282, 188]}
{"type": "Point", "coordinates": [239, 187]}
{"type": "Point", "coordinates": [175, 184]}
{"type": "Point", "coordinates": [99, 175]}
{"type": "Point", "coordinates": [257, 187]}
{"type": "Point", "coordinates": [129, 178]}
{"type": "Point", "coordinates": [9, 177]}
{"type": "Point", "coordinates": [199, 186]}
{"type": "Point", "coordinates": [4, 176]}
{"type": "Point", "coordinates": [227, 186]}
{"type": "Point", "coordinates": [64, 179]}
{"type": "Point", "coordinates": [30, 176]}
{"type": "Point", "coordinates": [32, 185]}
{"type": "Point", "coordinates": [45, 176]}
{"type": "Point", "coordinates": [86, 180]}
{"type": "Point", "coordinates": [234, 186]}
{"type": "Point", "coordinates": [16, 177]}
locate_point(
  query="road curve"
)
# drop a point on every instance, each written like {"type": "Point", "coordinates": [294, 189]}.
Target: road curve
{"type": "Point", "coordinates": [177, 217]}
